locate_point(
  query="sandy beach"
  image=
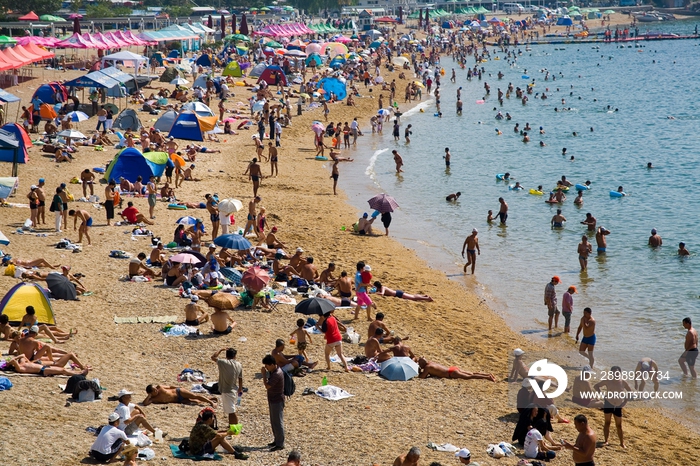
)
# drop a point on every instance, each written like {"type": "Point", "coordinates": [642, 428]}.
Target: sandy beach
{"type": "Point", "coordinates": [382, 420]}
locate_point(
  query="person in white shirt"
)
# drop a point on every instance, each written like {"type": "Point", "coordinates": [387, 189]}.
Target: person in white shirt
{"type": "Point", "coordinates": [535, 446]}
{"type": "Point", "coordinates": [354, 129]}
{"type": "Point", "coordinates": [131, 417]}
{"type": "Point", "coordinates": [110, 441]}
{"type": "Point", "coordinates": [224, 90]}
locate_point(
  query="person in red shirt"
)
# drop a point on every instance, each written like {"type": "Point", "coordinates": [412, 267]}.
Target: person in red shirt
{"type": "Point", "coordinates": [330, 326]}
{"type": "Point", "coordinates": [132, 215]}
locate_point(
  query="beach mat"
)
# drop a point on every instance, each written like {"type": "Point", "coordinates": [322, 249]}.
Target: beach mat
{"type": "Point", "coordinates": [184, 456]}
{"type": "Point", "coordinates": [146, 320]}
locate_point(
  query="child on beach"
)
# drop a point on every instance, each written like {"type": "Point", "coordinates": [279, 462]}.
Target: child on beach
{"type": "Point", "coordinates": [300, 336]}
{"type": "Point", "coordinates": [489, 218]}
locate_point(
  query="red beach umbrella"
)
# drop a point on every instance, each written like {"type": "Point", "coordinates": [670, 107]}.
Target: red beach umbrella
{"type": "Point", "coordinates": [223, 26]}
{"type": "Point", "coordinates": [255, 279]}
{"type": "Point", "coordinates": [233, 24]}
{"type": "Point", "coordinates": [244, 25]}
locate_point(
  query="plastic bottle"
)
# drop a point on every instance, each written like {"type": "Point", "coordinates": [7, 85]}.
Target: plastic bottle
{"type": "Point", "coordinates": [238, 400]}
{"type": "Point", "coordinates": [324, 382]}
{"type": "Point", "coordinates": [158, 436]}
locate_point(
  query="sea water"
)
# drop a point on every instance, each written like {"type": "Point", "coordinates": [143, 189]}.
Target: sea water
{"type": "Point", "coordinates": [642, 103]}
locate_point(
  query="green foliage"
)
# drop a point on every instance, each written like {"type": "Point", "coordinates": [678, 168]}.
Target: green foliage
{"type": "Point", "coordinates": [178, 11]}
{"type": "Point", "coordinates": [106, 10]}
{"type": "Point", "coordinates": [40, 7]}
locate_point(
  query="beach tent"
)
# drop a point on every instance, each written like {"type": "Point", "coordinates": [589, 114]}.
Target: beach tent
{"type": "Point", "coordinates": [202, 79]}
{"type": "Point", "coordinates": [268, 75]}
{"type": "Point", "coordinates": [128, 119]}
{"type": "Point", "coordinates": [169, 74]}
{"type": "Point", "coordinates": [257, 70]}
{"type": "Point", "coordinates": [204, 60]}
{"type": "Point", "coordinates": [15, 303]}
{"type": "Point", "coordinates": [232, 69]}
{"type": "Point", "coordinates": [564, 21]}
{"type": "Point", "coordinates": [334, 85]}
{"type": "Point", "coordinates": [13, 131]}
{"type": "Point", "coordinates": [8, 184]}
{"type": "Point", "coordinates": [315, 58]}
{"type": "Point", "coordinates": [192, 126]}
{"type": "Point", "coordinates": [47, 93]}
{"type": "Point", "coordinates": [200, 108]}
{"type": "Point", "coordinates": [165, 122]}
{"type": "Point", "coordinates": [130, 163]}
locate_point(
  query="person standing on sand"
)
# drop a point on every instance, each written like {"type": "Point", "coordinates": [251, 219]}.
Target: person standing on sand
{"type": "Point", "coordinates": [691, 349]}
{"type": "Point", "coordinates": [335, 174]}
{"type": "Point", "coordinates": [398, 161]}
{"type": "Point", "coordinates": [584, 249]}
{"type": "Point", "coordinates": [600, 239]}
{"type": "Point", "coordinates": [213, 209]}
{"type": "Point", "coordinates": [503, 211]}
{"type": "Point", "coordinates": [41, 210]}
{"type": "Point", "coordinates": [331, 328]}
{"type": "Point", "coordinates": [588, 341]}
{"type": "Point", "coordinates": [86, 223]}
{"type": "Point", "coordinates": [230, 378]}
{"type": "Point", "coordinates": [251, 224]}
{"type": "Point", "coordinates": [583, 449]}
{"type": "Point", "coordinates": [273, 156]}
{"type": "Point", "coordinates": [614, 385]}
{"type": "Point", "coordinates": [254, 174]}
{"type": "Point", "coordinates": [471, 244]}
{"type": "Point", "coordinates": [550, 300]}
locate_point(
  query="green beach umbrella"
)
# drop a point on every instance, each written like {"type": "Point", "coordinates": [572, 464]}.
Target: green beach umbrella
{"type": "Point", "coordinates": [264, 9]}
{"type": "Point", "coordinates": [609, 12]}
{"type": "Point", "coordinates": [272, 44]}
{"type": "Point", "coordinates": [241, 37]}
{"type": "Point", "coordinates": [7, 40]}
{"type": "Point", "coordinates": [51, 18]}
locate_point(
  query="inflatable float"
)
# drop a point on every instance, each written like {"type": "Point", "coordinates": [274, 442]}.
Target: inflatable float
{"type": "Point", "coordinates": [535, 192]}
{"type": "Point", "coordinates": [617, 194]}
{"type": "Point", "coordinates": [582, 187]}
{"type": "Point", "coordinates": [176, 207]}
{"type": "Point", "coordinates": [321, 157]}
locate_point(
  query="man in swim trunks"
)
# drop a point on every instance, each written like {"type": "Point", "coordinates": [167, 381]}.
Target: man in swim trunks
{"type": "Point", "coordinates": [289, 363]}
{"type": "Point", "coordinates": [453, 197]}
{"type": "Point", "coordinates": [691, 349]}
{"type": "Point", "coordinates": [600, 240]}
{"type": "Point", "coordinates": [398, 160]}
{"type": "Point", "coordinates": [22, 365]}
{"type": "Point", "coordinates": [222, 322]}
{"type": "Point", "coordinates": [400, 350]}
{"type": "Point", "coordinates": [344, 285]}
{"type": "Point", "coordinates": [86, 223]}
{"type": "Point", "coordinates": [378, 323]}
{"type": "Point", "coordinates": [447, 157]}
{"type": "Point", "coordinates": [195, 315]}
{"type": "Point", "coordinates": [590, 222]}
{"type": "Point", "coordinates": [582, 386]}
{"type": "Point", "coordinates": [138, 268]}
{"type": "Point", "coordinates": [164, 394]}
{"type": "Point", "coordinates": [584, 448]}
{"type": "Point", "coordinates": [255, 175]}
{"type": "Point", "coordinates": [373, 347]}
{"type": "Point", "coordinates": [388, 292]}
{"type": "Point", "coordinates": [471, 244]}
{"type": "Point", "coordinates": [588, 341]}
{"type": "Point", "coordinates": [272, 241]}
{"type": "Point", "coordinates": [327, 277]}
{"type": "Point", "coordinates": [584, 249]}
{"type": "Point", "coordinates": [213, 209]}
{"type": "Point", "coordinates": [613, 406]}
{"type": "Point", "coordinates": [502, 211]}
{"type": "Point", "coordinates": [364, 226]}
{"type": "Point", "coordinates": [550, 300]}
{"type": "Point", "coordinates": [251, 224]}
{"type": "Point", "coordinates": [151, 189]}
{"type": "Point", "coordinates": [682, 251]}
{"type": "Point", "coordinates": [655, 239]}
{"type": "Point", "coordinates": [431, 369]}
{"type": "Point", "coordinates": [649, 366]}
{"type": "Point", "coordinates": [558, 220]}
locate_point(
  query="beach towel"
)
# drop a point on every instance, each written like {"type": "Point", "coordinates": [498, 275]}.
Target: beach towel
{"type": "Point", "coordinates": [146, 320]}
{"type": "Point", "coordinates": [181, 455]}
{"type": "Point", "coordinates": [178, 330]}
{"type": "Point", "coordinates": [332, 393]}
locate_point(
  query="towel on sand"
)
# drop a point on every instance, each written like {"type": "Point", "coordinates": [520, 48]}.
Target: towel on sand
{"type": "Point", "coordinates": [146, 320]}
{"type": "Point", "coordinates": [181, 455]}
{"type": "Point", "coordinates": [331, 392]}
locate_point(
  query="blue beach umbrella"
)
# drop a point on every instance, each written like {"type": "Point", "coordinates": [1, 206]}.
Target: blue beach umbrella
{"type": "Point", "coordinates": [232, 241]}
{"type": "Point", "coordinates": [399, 368]}
{"type": "Point", "coordinates": [232, 275]}
{"type": "Point", "coordinates": [77, 116]}
{"type": "Point", "coordinates": [186, 221]}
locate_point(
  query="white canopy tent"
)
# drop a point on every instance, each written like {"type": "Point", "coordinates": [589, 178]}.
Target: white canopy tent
{"type": "Point", "coordinates": [128, 58]}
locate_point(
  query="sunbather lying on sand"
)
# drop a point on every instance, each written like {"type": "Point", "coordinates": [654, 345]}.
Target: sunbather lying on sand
{"type": "Point", "coordinates": [22, 365]}
{"type": "Point", "coordinates": [164, 394]}
{"type": "Point", "coordinates": [385, 291]}
{"type": "Point", "coordinates": [41, 262]}
{"type": "Point", "coordinates": [431, 369]}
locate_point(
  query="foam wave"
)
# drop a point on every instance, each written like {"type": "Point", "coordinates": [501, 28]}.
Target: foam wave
{"type": "Point", "coordinates": [417, 108]}
{"type": "Point", "coordinates": [369, 171]}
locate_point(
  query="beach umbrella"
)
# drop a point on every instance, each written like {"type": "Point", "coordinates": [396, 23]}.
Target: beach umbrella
{"type": "Point", "coordinates": [200, 259]}
{"type": "Point", "coordinates": [3, 239]}
{"type": "Point", "coordinates": [229, 206]}
{"type": "Point", "coordinates": [384, 112]}
{"type": "Point", "coordinates": [75, 15]}
{"type": "Point", "coordinates": [244, 123]}
{"type": "Point", "coordinates": [244, 26]}
{"type": "Point", "coordinates": [232, 275]}
{"type": "Point", "coordinates": [72, 133]}
{"type": "Point", "coordinates": [314, 306]}
{"type": "Point", "coordinates": [383, 203]}
{"type": "Point", "coordinates": [184, 258]}
{"type": "Point", "coordinates": [61, 287]}
{"type": "Point", "coordinates": [255, 279]}
{"type": "Point", "coordinates": [419, 84]}
{"type": "Point", "coordinates": [272, 44]}
{"type": "Point", "coordinates": [295, 53]}
{"type": "Point", "coordinates": [179, 81]}
{"type": "Point", "coordinates": [318, 127]}
{"type": "Point", "coordinates": [398, 368]}
{"type": "Point", "coordinates": [609, 12]}
{"type": "Point", "coordinates": [186, 220]}
{"type": "Point", "coordinates": [7, 40]}
{"type": "Point", "coordinates": [233, 241]}
{"type": "Point", "coordinates": [223, 26]}
{"type": "Point", "coordinates": [210, 22]}
{"type": "Point", "coordinates": [77, 116]}
{"type": "Point", "coordinates": [31, 16]}
{"type": "Point", "coordinates": [240, 37]}
{"type": "Point", "coordinates": [233, 24]}
{"type": "Point", "coordinates": [50, 18]}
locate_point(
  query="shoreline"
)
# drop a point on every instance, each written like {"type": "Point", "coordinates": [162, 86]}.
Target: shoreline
{"type": "Point", "coordinates": [456, 329]}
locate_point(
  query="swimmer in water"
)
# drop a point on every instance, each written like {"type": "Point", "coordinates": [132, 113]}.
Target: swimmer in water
{"type": "Point", "coordinates": [579, 199]}
{"type": "Point", "coordinates": [572, 158]}
{"type": "Point", "coordinates": [584, 249]}
{"type": "Point", "coordinates": [600, 240]}
{"type": "Point", "coordinates": [542, 144]}
{"type": "Point", "coordinates": [649, 165]}
{"type": "Point", "coordinates": [682, 251]}
{"type": "Point", "coordinates": [621, 191]}
{"type": "Point", "coordinates": [447, 157]}
{"type": "Point", "coordinates": [526, 138]}
{"type": "Point", "coordinates": [498, 133]}
{"type": "Point", "coordinates": [453, 197]}
{"type": "Point", "coordinates": [541, 130]}
{"type": "Point", "coordinates": [558, 220]}
{"type": "Point", "coordinates": [489, 217]}
{"type": "Point", "coordinates": [563, 151]}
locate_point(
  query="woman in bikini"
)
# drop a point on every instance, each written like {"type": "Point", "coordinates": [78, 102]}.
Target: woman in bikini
{"type": "Point", "coordinates": [388, 292]}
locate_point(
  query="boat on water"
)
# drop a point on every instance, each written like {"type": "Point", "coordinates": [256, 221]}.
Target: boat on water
{"type": "Point", "coordinates": [653, 16]}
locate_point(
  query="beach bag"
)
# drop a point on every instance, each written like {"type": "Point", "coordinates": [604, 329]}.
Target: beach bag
{"type": "Point", "coordinates": [5, 384]}
{"type": "Point", "coordinates": [185, 445]}
{"type": "Point", "coordinates": [10, 270]}
{"type": "Point", "coordinates": [495, 451]}
{"type": "Point", "coordinates": [289, 385]}
{"type": "Point", "coordinates": [73, 382]}
{"type": "Point", "coordinates": [143, 441]}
